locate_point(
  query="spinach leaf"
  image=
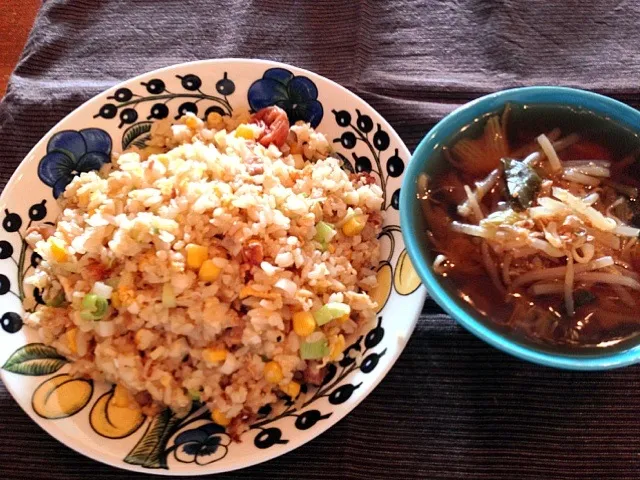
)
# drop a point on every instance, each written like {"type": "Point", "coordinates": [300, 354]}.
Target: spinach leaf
{"type": "Point", "coordinates": [522, 183]}
{"type": "Point", "coordinates": [583, 297]}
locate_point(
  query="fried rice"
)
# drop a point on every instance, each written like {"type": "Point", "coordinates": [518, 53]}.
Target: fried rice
{"type": "Point", "coordinates": [227, 262]}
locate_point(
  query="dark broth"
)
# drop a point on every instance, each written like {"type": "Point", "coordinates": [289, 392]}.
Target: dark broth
{"type": "Point", "coordinates": [542, 319]}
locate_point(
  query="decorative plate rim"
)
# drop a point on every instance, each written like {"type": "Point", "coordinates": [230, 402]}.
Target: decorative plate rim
{"type": "Point", "coordinates": [243, 461]}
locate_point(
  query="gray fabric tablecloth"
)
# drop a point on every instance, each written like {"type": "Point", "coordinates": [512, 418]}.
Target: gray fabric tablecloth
{"type": "Point", "coordinates": [452, 407]}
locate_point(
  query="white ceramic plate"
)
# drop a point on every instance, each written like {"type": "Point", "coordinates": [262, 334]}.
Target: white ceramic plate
{"type": "Point", "coordinates": [80, 413]}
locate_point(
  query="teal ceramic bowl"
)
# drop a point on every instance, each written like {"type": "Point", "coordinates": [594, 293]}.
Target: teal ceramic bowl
{"type": "Point", "coordinates": [426, 158]}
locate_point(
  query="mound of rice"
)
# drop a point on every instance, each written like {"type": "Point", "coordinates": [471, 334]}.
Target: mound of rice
{"type": "Point", "coordinates": [176, 271]}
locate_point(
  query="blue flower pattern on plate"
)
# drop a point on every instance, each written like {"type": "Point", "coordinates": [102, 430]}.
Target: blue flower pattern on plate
{"type": "Point", "coordinates": [202, 446]}
{"type": "Point", "coordinates": [72, 152]}
{"type": "Point", "coordinates": [296, 95]}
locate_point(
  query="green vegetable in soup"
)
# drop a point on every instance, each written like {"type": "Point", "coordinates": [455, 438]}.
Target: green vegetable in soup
{"type": "Point", "coordinates": [583, 297]}
{"type": "Point", "coordinates": [522, 183]}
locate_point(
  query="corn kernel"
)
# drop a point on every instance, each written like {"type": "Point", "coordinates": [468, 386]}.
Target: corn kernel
{"type": "Point", "coordinates": [342, 319]}
{"type": "Point", "coordinates": [121, 397]}
{"type": "Point", "coordinates": [220, 418]}
{"type": "Point", "coordinates": [292, 389]}
{"type": "Point", "coordinates": [214, 355]}
{"type": "Point", "coordinates": [244, 131]}
{"type": "Point", "coordinates": [72, 339]}
{"type": "Point", "coordinates": [354, 225]}
{"type": "Point", "coordinates": [58, 249]}
{"type": "Point", "coordinates": [196, 255]}
{"type": "Point", "coordinates": [209, 271]}
{"type": "Point", "coordinates": [303, 323]}
{"type": "Point", "coordinates": [273, 372]}
{"type": "Point", "coordinates": [191, 122]}
{"type": "Point", "coordinates": [115, 300]}
{"type": "Point", "coordinates": [337, 347]}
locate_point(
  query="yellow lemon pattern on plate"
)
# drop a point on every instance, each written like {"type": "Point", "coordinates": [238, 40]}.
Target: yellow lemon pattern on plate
{"type": "Point", "coordinates": [61, 396]}
{"type": "Point", "coordinates": [406, 280]}
{"type": "Point", "coordinates": [116, 414]}
{"type": "Point", "coordinates": [380, 294]}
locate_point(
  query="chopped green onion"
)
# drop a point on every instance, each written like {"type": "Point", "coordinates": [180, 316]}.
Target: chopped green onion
{"type": "Point", "coordinates": [322, 316]}
{"type": "Point", "coordinates": [168, 297]}
{"type": "Point", "coordinates": [102, 305]}
{"type": "Point", "coordinates": [89, 301]}
{"type": "Point", "coordinates": [88, 316]}
{"type": "Point", "coordinates": [314, 350]}
{"type": "Point", "coordinates": [195, 395]}
{"type": "Point", "coordinates": [324, 232]}
{"type": "Point", "coordinates": [57, 301]}
{"type": "Point", "coordinates": [94, 307]}
{"type": "Point", "coordinates": [331, 311]}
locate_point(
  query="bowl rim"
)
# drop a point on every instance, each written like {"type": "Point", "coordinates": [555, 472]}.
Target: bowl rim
{"type": "Point", "coordinates": [450, 125]}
